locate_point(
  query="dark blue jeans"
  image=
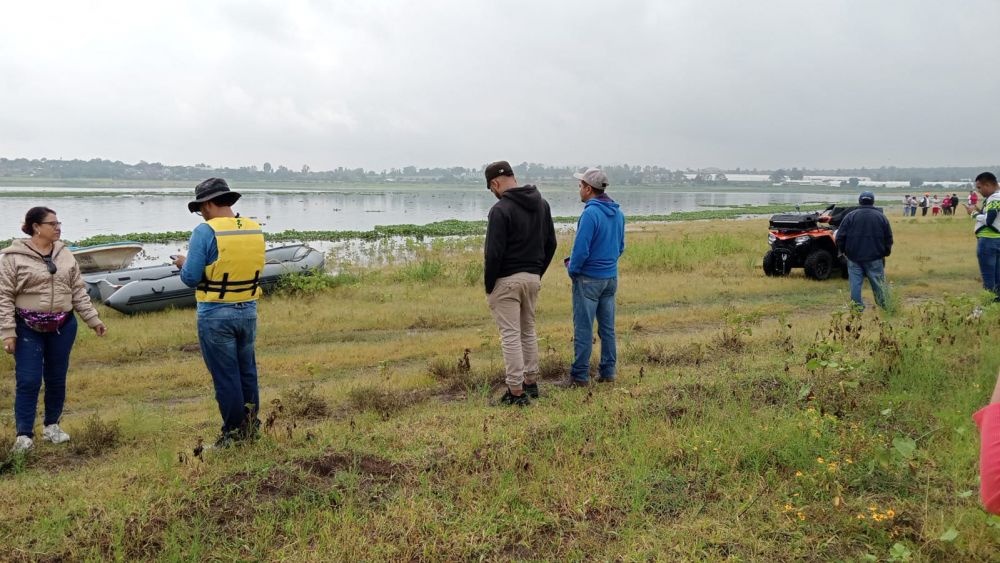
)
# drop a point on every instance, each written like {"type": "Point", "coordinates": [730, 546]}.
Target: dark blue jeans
{"type": "Point", "coordinates": [593, 298]}
{"type": "Point", "coordinates": [874, 270]}
{"type": "Point", "coordinates": [227, 335]}
{"type": "Point", "coordinates": [38, 357]}
{"type": "Point", "coordinates": [988, 253]}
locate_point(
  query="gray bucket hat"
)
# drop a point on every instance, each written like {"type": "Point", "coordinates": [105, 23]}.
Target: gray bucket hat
{"type": "Point", "coordinates": [213, 188]}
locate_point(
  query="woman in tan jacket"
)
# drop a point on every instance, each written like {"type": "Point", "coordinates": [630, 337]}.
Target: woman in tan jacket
{"type": "Point", "coordinates": [40, 287]}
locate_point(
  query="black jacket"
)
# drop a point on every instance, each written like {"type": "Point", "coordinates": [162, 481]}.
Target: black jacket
{"type": "Point", "coordinates": [520, 236]}
{"type": "Point", "coordinates": [865, 235]}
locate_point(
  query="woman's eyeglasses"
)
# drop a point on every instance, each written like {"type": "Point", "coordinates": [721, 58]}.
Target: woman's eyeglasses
{"type": "Point", "coordinates": [53, 223]}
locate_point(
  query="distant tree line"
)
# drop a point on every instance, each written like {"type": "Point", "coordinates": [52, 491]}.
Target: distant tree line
{"type": "Point", "coordinates": [622, 174]}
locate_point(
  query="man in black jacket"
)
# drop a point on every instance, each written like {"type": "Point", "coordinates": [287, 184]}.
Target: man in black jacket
{"type": "Point", "coordinates": [865, 237]}
{"type": "Point", "coordinates": [520, 243]}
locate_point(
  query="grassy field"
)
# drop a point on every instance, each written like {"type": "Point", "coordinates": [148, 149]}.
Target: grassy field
{"type": "Point", "coordinates": [753, 419]}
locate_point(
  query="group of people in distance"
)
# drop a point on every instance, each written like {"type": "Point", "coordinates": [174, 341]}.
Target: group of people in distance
{"type": "Point", "coordinates": [944, 206]}
{"type": "Point", "coordinates": [41, 288]}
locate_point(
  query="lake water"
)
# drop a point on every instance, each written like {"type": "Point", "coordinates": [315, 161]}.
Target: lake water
{"type": "Point", "coordinates": [345, 208]}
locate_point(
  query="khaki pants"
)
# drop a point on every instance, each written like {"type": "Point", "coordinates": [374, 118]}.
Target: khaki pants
{"type": "Point", "coordinates": [513, 306]}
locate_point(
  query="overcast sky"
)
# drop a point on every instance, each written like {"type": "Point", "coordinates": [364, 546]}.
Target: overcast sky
{"type": "Point", "coordinates": [680, 83]}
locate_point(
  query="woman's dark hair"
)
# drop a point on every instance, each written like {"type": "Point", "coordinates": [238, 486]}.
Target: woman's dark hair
{"type": "Point", "coordinates": [34, 215]}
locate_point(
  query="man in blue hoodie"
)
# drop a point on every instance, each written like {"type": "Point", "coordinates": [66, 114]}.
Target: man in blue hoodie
{"type": "Point", "coordinates": [593, 267]}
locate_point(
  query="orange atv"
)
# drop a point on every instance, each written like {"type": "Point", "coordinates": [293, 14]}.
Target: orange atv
{"type": "Point", "coordinates": [805, 240]}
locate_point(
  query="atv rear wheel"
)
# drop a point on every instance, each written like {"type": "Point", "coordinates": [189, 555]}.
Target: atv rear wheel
{"type": "Point", "coordinates": [819, 265]}
{"type": "Point", "coordinates": [774, 265]}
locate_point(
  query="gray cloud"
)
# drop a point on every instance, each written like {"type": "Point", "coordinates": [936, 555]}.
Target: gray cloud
{"type": "Point", "coordinates": [379, 84]}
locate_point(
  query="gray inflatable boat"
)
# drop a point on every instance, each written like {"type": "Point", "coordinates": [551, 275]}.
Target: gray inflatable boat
{"type": "Point", "coordinates": [154, 288]}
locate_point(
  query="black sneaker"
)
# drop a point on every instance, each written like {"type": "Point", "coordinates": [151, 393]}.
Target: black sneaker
{"type": "Point", "coordinates": [512, 399]}
{"type": "Point", "coordinates": [531, 390]}
{"type": "Point", "coordinates": [226, 440]}
{"type": "Point", "coordinates": [605, 379]}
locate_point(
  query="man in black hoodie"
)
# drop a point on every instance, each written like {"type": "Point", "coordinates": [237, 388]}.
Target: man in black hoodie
{"type": "Point", "coordinates": [520, 243]}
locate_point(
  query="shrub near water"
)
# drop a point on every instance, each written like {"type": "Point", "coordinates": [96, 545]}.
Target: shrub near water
{"type": "Point", "coordinates": [311, 282]}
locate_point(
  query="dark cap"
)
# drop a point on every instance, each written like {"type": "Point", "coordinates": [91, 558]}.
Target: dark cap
{"type": "Point", "coordinates": [213, 188]}
{"type": "Point", "coordinates": [866, 198]}
{"type": "Point", "coordinates": [497, 169]}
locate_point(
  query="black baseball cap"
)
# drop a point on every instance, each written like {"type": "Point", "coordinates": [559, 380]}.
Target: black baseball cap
{"type": "Point", "coordinates": [497, 169]}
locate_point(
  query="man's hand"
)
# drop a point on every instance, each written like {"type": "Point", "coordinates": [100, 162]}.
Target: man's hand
{"type": "Point", "coordinates": [9, 344]}
{"type": "Point", "coordinates": [100, 329]}
{"type": "Point", "coordinates": [179, 260]}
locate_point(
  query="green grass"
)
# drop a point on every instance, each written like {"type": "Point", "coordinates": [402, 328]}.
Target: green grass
{"type": "Point", "coordinates": [754, 418]}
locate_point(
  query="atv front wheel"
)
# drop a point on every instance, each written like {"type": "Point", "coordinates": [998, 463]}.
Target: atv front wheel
{"type": "Point", "coordinates": [774, 265]}
{"type": "Point", "coordinates": [819, 265]}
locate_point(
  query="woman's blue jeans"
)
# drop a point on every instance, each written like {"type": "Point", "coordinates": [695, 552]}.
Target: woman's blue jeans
{"type": "Point", "coordinates": [41, 357]}
{"type": "Point", "coordinates": [593, 298]}
{"type": "Point", "coordinates": [227, 334]}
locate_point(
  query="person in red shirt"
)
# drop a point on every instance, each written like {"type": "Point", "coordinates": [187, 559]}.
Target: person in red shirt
{"type": "Point", "coordinates": [988, 421]}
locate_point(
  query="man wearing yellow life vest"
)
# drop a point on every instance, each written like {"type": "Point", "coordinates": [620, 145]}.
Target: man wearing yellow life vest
{"type": "Point", "coordinates": [224, 263]}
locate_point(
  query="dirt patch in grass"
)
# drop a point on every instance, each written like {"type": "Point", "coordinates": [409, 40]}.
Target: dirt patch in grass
{"type": "Point", "coordinates": [330, 463]}
{"type": "Point", "coordinates": [383, 401]}
{"type": "Point", "coordinates": [692, 354]}
{"type": "Point", "coordinates": [460, 374]}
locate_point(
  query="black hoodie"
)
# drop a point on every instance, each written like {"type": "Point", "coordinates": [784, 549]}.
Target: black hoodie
{"type": "Point", "coordinates": [520, 236]}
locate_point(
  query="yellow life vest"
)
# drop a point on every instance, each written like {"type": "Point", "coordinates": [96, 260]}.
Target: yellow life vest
{"type": "Point", "coordinates": [235, 276]}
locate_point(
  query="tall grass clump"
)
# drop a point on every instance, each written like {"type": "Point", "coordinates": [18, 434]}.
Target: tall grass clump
{"type": "Point", "coordinates": [679, 255]}
{"type": "Point", "coordinates": [96, 437]}
{"type": "Point", "coordinates": [422, 271]}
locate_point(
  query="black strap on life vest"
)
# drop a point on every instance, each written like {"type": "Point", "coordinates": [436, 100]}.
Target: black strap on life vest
{"type": "Point", "coordinates": [230, 286]}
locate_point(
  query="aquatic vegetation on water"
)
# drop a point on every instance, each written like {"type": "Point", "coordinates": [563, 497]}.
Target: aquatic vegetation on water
{"type": "Point", "coordinates": [449, 227]}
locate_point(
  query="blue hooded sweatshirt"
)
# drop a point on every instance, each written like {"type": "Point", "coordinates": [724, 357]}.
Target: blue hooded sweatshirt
{"type": "Point", "coordinates": [600, 240]}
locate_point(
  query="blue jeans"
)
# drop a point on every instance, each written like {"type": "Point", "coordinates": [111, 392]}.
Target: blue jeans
{"type": "Point", "coordinates": [593, 298]}
{"type": "Point", "coordinates": [988, 253]}
{"type": "Point", "coordinates": [227, 335]}
{"type": "Point", "coordinates": [874, 270]}
{"type": "Point", "coordinates": [38, 357]}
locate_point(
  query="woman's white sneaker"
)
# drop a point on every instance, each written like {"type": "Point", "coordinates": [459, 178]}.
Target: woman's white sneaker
{"type": "Point", "coordinates": [22, 444]}
{"type": "Point", "coordinates": [54, 434]}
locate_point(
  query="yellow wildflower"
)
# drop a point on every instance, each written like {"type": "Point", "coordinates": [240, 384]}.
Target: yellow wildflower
{"type": "Point", "coordinates": [860, 516]}
{"type": "Point", "coordinates": [849, 461]}
{"type": "Point", "coordinates": [878, 517]}
{"type": "Point", "coordinates": [890, 513]}
{"type": "Point", "coordinates": [820, 460]}
{"type": "Point", "coordinates": [798, 474]}
{"type": "Point", "coordinates": [832, 468]}
{"type": "Point", "coordinates": [800, 515]}
{"type": "Point", "coordinates": [788, 507]}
